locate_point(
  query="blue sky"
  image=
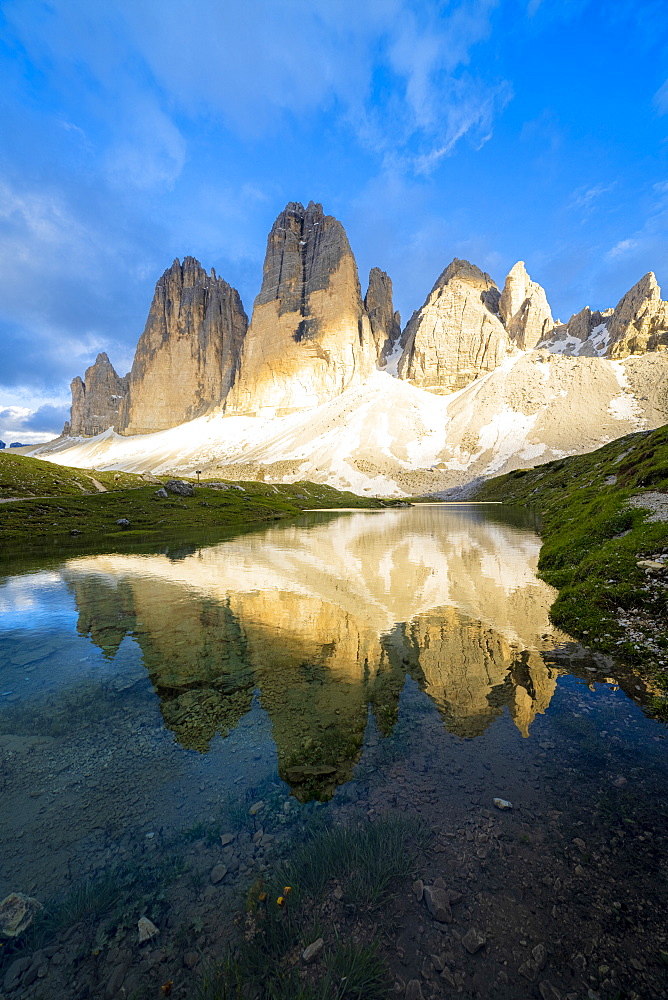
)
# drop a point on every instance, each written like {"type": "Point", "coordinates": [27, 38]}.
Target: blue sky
{"type": "Point", "coordinates": [136, 131]}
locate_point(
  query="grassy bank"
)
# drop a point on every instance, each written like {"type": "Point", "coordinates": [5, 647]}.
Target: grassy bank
{"type": "Point", "coordinates": [594, 542]}
{"type": "Point", "coordinates": [21, 476]}
{"type": "Point", "coordinates": [54, 503]}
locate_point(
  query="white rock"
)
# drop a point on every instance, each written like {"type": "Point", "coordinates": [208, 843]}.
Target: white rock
{"type": "Point", "coordinates": [147, 930]}
{"type": "Point", "coordinates": [503, 804]}
{"type": "Point", "coordinates": [311, 952]}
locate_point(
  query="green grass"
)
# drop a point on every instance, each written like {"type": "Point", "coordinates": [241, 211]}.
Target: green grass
{"type": "Point", "coordinates": [592, 542]}
{"type": "Point", "coordinates": [365, 858]}
{"type": "Point", "coordinates": [21, 476]}
{"type": "Point", "coordinates": [368, 860]}
{"type": "Point", "coordinates": [58, 505]}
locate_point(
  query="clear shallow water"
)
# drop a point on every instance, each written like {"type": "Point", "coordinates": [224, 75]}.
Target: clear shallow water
{"type": "Point", "coordinates": [392, 662]}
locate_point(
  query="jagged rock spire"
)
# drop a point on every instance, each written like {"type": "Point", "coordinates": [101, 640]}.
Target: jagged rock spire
{"type": "Point", "coordinates": [309, 337]}
{"type": "Point", "coordinates": [96, 399]}
{"type": "Point", "coordinates": [188, 354]}
{"type": "Point", "coordinates": [524, 309]}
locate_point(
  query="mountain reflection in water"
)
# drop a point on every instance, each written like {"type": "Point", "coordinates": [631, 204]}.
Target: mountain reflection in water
{"type": "Point", "coordinates": [326, 619]}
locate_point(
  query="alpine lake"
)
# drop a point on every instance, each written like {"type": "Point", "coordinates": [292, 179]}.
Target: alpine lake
{"type": "Point", "coordinates": [372, 705]}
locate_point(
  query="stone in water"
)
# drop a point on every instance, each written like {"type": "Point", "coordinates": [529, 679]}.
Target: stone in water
{"type": "Point", "coordinates": [147, 929]}
{"type": "Point", "coordinates": [503, 804]}
{"type": "Point", "coordinates": [17, 912]}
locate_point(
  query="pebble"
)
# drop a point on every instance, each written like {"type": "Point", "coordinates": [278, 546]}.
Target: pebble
{"type": "Point", "coordinates": [438, 903]}
{"type": "Point", "coordinates": [473, 940]}
{"type": "Point", "coordinates": [147, 930]}
{"type": "Point", "coordinates": [547, 991]}
{"type": "Point", "coordinates": [311, 952]}
{"type": "Point", "coordinates": [502, 804]}
{"type": "Point", "coordinates": [226, 838]}
{"type": "Point", "coordinates": [218, 873]}
{"type": "Point", "coordinates": [256, 807]}
{"type": "Point", "coordinates": [414, 990]}
{"type": "Point", "coordinates": [14, 973]}
{"type": "Point", "coordinates": [418, 889]}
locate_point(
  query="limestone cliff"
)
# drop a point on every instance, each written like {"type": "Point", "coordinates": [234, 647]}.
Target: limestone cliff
{"type": "Point", "coordinates": [188, 354]}
{"type": "Point", "coordinates": [457, 335]}
{"type": "Point", "coordinates": [524, 309]}
{"type": "Point", "coordinates": [310, 337]}
{"type": "Point", "coordinates": [637, 325]}
{"type": "Point", "coordinates": [96, 399]}
{"type": "Point", "coordinates": [385, 322]}
{"type": "Point", "coordinates": [640, 320]}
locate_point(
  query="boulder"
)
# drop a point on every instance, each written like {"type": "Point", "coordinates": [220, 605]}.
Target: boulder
{"type": "Point", "coordinates": [179, 488]}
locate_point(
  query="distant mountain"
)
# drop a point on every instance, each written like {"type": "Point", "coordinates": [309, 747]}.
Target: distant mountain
{"type": "Point", "coordinates": [313, 352]}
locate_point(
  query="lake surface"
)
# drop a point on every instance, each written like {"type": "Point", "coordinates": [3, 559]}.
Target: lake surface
{"type": "Point", "coordinates": [364, 664]}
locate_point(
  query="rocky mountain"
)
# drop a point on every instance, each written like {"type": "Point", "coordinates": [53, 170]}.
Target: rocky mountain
{"type": "Point", "coordinates": [96, 399]}
{"type": "Point", "coordinates": [637, 324]}
{"type": "Point", "coordinates": [315, 372]}
{"type": "Point", "coordinates": [385, 322]}
{"type": "Point", "coordinates": [524, 309]}
{"type": "Point", "coordinates": [457, 335]}
{"type": "Point", "coordinates": [310, 337]}
{"type": "Point", "coordinates": [188, 354]}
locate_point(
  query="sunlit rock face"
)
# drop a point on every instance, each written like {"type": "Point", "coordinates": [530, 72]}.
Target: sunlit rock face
{"type": "Point", "coordinates": [310, 337]}
{"type": "Point", "coordinates": [327, 621]}
{"type": "Point", "coordinates": [385, 322]}
{"type": "Point", "coordinates": [96, 399]}
{"type": "Point", "coordinates": [457, 335]}
{"type": "Point", "coordinates": [188, 354]}
{"type": "Point", "coordinates": [640, 320]}
{"type": "Point", "coordinates": [524, 309]}
{"type": "Point", "coordinates": [637, 325]}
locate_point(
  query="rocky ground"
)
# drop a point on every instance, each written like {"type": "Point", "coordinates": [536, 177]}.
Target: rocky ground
{"type": "Point", "coordinates": [560, 896]}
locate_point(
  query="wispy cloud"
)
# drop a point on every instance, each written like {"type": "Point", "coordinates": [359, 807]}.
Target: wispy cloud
{"type": "Point", "coordinates": [621, 248]}
{"type": "Point", "coordinates": [660, 99]}
{"type": "Point", "coordinates": [585, 196]}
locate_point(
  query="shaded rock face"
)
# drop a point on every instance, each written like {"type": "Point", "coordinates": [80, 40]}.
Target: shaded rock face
{"type": "Point", "coordinates": [187, 356]}
{"type": "Point", "coordinates": [385, 322]}
{"type": "Point", "coordinates": [96, 399]}
{"type": "Point", "coordinates": [309, 337]}
{"type": "Point", "coordinates": [524, 309]}
{"type": "Point", "coordinates": [640, 320]}
{"type": "Point", "coordinates": [457, 335]}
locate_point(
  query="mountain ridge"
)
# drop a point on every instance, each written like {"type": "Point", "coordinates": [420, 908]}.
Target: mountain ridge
{"type": "Point", "coordinates": [312, 340]}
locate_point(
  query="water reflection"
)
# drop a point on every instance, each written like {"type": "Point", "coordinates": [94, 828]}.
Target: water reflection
{"type": "Point", "coordinates": [326, 619]}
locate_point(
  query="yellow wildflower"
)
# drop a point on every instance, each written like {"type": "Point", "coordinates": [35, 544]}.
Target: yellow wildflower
{"type": "Point", "coordinates": [280, 900]}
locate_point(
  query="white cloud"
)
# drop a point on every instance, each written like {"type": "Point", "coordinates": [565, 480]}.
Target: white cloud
{"type": "Point", "coordinates": [623, 247]}
{"type": "Point", "coordinates": [660, 99]}
{"type": "Point", "coordinates": [583, 197]}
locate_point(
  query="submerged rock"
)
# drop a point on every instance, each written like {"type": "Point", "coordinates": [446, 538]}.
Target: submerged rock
{"type": "Point", "coordinates": [147, 930]}
{"type": "Point", "coordinates": [311, 952]}
{"type": "Point", "coordinates": [503, 804]}
{"type": "Point", "coordinates": [17, 912]}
